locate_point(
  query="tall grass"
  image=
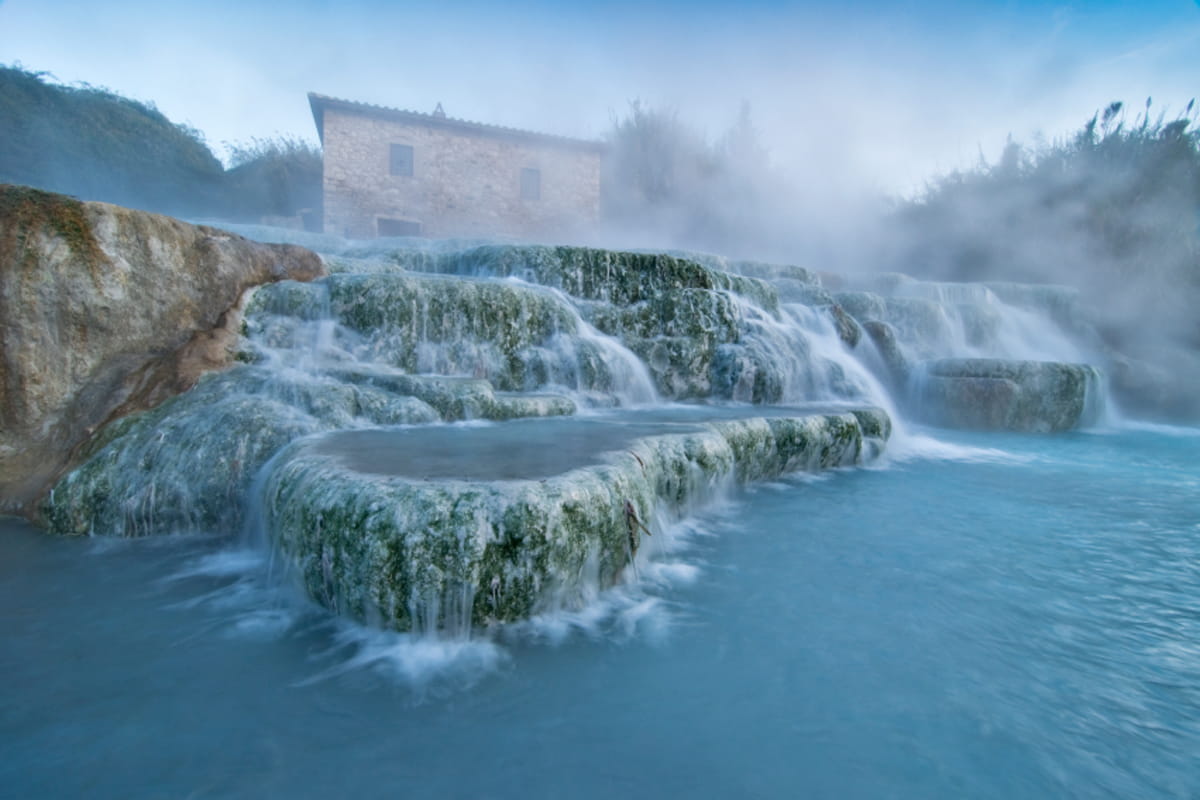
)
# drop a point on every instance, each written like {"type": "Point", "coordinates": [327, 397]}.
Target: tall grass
{"type": "Point", "coordinates": [96, 144]}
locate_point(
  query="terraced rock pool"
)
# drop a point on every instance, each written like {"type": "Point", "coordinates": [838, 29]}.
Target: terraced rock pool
{"type": "Point", "coordinates": [975, 616]}
{"type": "Point", "coordinates": [528, 449]}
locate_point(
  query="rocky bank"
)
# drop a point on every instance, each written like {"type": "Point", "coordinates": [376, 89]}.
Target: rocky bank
{"type": "Point", "coordinates": [105, 311]}
{"type": "Point", "coordinates": [163, 377]}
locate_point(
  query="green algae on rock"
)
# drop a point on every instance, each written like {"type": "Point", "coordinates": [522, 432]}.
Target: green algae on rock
{"type": "Point", "coordinates": [687, 320]}
{"type": "Point", "coordinates": [28, 211]}
{"type": "Point", "coordinates": [188, 464]}
{"type": "Point", "coordinates": [448, 554]}
{"type": "Point", "coordinates": [516, 336]}
{"type": "Point", "coordinates": [994, 394]}
{"type": "Point", "coordinates": [587, 273]}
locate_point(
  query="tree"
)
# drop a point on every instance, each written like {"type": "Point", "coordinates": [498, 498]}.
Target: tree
{"type": "Point", "coordinates": [664, 179]}
{"type": "Point", "coordinates": [276, 177]}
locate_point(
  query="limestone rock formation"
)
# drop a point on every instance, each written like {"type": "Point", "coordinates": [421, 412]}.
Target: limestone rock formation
{"type": "Point", "coordinates": [895, 363]}
{"type": "Point", "coordinates": [703, 326]}
{"type": "Point", "coordinates": [103, 311]}
{"type": "Point", "coordinates": [397, 338]}
{"type": "Point", "coordinates": [416, 554]}
{"type": "Point", "coordinates": [995, 394]}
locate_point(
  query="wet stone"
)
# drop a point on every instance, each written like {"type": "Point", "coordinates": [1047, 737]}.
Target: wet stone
{"type": "Point", "coordinates": [519, 450]}
{"type": "Point", "coordinates": [439, 529]}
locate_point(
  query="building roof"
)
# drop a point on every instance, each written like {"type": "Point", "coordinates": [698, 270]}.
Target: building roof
{"type": "Point", "coordinates": [321, 103]}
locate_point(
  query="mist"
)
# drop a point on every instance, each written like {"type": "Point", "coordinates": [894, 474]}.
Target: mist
{"type": "Point", "coordinates": [835, 136]}
{"type": "Point", "coordinates": [1111, 209]}
{"type": "Point", "coordinates": [863, 94]}
{"type": "Point", "coordinates": [797, 399]}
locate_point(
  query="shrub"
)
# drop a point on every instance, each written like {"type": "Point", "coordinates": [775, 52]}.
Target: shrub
{"type": "Point", "coordinates": [98, 145]}
{"type": "Point", "coordinates": [1113, 209]}
{"type": "Point", "coordinates": [279, 177]}
{"type": "Point", "coordinates": [660, 176]}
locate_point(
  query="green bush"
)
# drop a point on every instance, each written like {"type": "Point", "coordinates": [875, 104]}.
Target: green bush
{"type": "Point", "coordinates": [661, 176]}
{"type": "Point", "coordinates": [279, 177]}
{"type": "Point", "coordinates": [97, 145]}
{"type": "Point", "coordinates": [1113, 209]}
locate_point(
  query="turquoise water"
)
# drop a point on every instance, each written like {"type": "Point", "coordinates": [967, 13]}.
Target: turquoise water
{"type": "Point", "coordinates": [996, 616]}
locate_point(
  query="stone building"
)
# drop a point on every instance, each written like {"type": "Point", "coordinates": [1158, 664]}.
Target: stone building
{"type": "Point", "coordinates": [390, 172]}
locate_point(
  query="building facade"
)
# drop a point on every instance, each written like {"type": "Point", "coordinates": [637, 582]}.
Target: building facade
{"type": "Point", "coordinates": [389, 172]}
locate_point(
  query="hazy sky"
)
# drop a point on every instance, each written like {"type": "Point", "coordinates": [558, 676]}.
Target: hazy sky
{"type": "Point", "coordinates": [881, 94]}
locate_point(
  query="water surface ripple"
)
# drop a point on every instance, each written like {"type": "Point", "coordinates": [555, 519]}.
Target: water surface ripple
{"type": "Point", "coordinates": [1008, 617]}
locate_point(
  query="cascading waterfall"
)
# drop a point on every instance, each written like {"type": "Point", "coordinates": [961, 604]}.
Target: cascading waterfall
{"type": "Point", "coordinates": [435, 473]}
{"type": "Point", "coordinates": [629, 383]}
{"type": "Point", "coordinates": [984, 326]}
{"type": "Point", "coordinates": [498, 333]}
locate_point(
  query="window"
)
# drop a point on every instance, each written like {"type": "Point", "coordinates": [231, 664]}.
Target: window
{"type": "Point", "coordinates": [531, 184]}
{"type": "Point", "coordinates": [401, 160]}
{"type": "Point", "coordinates": [398, 227]}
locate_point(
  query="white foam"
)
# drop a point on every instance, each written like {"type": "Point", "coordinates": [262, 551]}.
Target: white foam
{"type": "Point", "coordinates": [418, 661]}
{"type": "Point", "coordinates": [910, 446]}
{"type": "Point", "coordinates": [263, 624]}
{"type": "Point", "coordinates": [225, 563]}
{"type": "Point", "coordinates": [621, 612]}
{"type": "Point", "coordinates": [1159, 428]}
{"type": "Point", "coordinates": [671, 573]}
{"type": "Point", "coordinates": [646, 617]}
{"type": "Point", "coordinates": [639, 605]}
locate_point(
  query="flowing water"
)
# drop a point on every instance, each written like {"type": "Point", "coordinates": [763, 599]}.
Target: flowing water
{"type": "Point", "coordinates": [987, 616]}
{"type": "Point", "coordinates": [973, 615]}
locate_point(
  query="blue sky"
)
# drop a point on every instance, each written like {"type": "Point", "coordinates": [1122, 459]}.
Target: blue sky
{"type": "Point", "coordinates": [858, 94]}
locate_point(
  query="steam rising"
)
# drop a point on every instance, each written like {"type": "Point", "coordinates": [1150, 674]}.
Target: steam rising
{"type": "Point", "coordinates": [1113, 210]}
{"type": "Point", "coordinates": [773, 131]}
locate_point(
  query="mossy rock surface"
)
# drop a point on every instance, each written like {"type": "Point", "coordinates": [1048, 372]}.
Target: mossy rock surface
{"type": "Point", "coordinates": [672, 311]}
{"type": "Point", "coordinates": [612, 276]}
{"type": "Point", "coordinates": [995, 394]}
{"type": "Point", "coordinates": [437, 554]}
{"type": "Point", "coordinates": [687, 321]}
{"type": "Point", "coordinates": [25, 211]}
{"type": "Point", "coordinates": [516, 337]}
{"type": "Point", "coordinates": [187, 465]}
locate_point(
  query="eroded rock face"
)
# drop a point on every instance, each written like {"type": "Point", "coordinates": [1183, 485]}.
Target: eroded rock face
{"type": "Point", "coordinates": [994, 394]}
{"type": "Point", "coordinates": [103, 311]}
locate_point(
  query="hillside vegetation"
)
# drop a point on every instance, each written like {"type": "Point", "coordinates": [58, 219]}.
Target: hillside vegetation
{"type": "Point", "coordinates": [97, 145]}
{"type": "Point", "coordinates": [666, 183]}
{"type": "Point", "coordinates": [1113, 210]}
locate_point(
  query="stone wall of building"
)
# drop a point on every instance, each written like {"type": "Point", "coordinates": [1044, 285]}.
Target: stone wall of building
{"type": "Point", "coordinates": [464, 182]}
